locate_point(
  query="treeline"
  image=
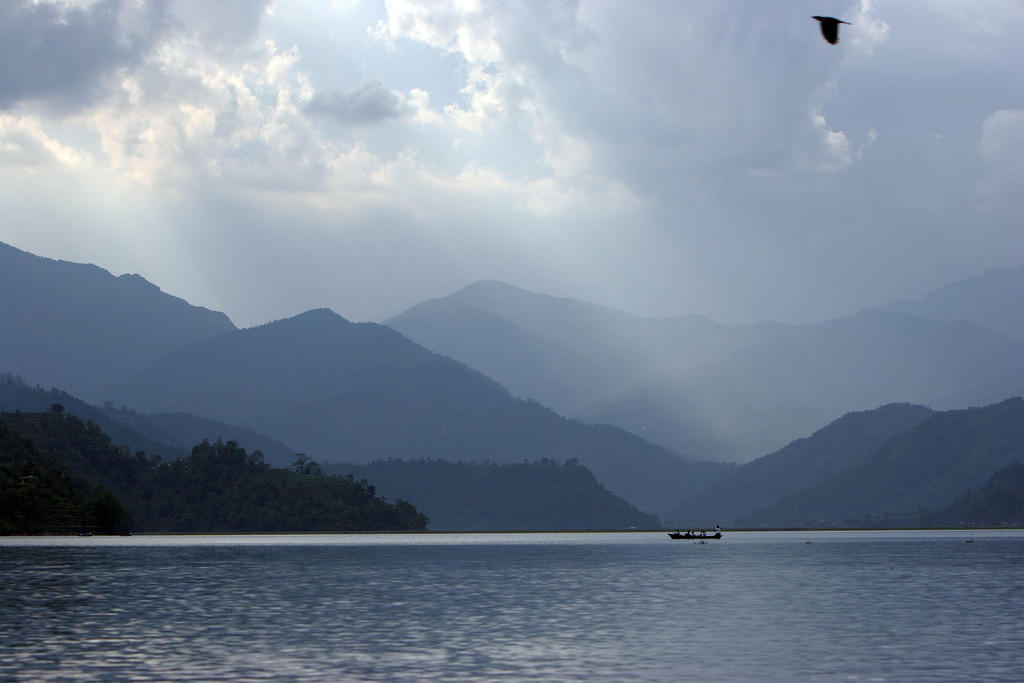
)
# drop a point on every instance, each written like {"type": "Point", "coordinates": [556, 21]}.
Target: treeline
{"type": "Point", "coordinates": [37, 496]}
{"type": "Point", "coordinates": [538, 495]}
{"type": "Point", "coordinates": [60, 474]}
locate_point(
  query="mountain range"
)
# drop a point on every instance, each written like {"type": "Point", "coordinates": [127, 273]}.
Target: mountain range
{"type": "Point", "coordinates": [358, 392]}
{"type": "Point", "coordinates": [77, 327]}
{"type": "Point", "coordinates": [715, 392]}
{"type": "Point", "coordinates": [494, 374]}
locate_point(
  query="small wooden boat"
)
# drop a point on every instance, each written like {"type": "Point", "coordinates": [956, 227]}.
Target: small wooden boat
{"type": "Point", "coordinates": [696, 536]}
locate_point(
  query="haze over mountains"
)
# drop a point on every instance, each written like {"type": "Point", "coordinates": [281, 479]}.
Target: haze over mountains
{"type": "Point", "coordinates": [733, 393]}
{"type": "Point", "coordinates": [337, 390]}
{"type": "Point", "coordinates": [673, 393]}
{"type": "Point", "coordinates": [350, 392]}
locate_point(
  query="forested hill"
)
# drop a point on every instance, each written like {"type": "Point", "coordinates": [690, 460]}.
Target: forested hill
{"type": "Point", "coordinates": [540, 495]}
{"type": "Point", "coordinates": [37, 496]}
{"type": "Point", "coordinates": [169, 435]}
{"type": "Point", "coordinates": [218, 488]}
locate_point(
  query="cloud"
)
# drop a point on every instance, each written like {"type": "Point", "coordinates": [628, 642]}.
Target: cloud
{"type": "Point", "coordinates": [690, 156]}
{"type": "Point", "coordinates": [1002, 148]}
{"type": "Point", "coordinates": [62, 53]}
{"type": "Point", "coordinates": [25, 146]}
{"type": "Point", "coordinates": [185, 119]}
{"type": "Point", "coordinates": [370, 103]}
{"type": "Point", "coordinates": [69, 55]}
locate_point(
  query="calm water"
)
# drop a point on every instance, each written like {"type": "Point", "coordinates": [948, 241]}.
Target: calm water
{"type": "Point", "coordinates": [755, 606]}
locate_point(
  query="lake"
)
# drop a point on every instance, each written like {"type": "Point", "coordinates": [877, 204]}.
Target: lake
{"type": "Point", "coordinates": [845, 606]}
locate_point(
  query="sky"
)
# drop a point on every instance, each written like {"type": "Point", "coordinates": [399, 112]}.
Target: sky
{"type": "Point", "coordinates": [662, 158]}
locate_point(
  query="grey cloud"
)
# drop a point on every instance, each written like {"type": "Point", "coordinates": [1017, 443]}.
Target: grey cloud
{"type": "Point", "coordinates": [370, 103]}
{"type": "Point", "coordinates": [221, 25]}
{"type": "Point", "coordinates": [61, 54]}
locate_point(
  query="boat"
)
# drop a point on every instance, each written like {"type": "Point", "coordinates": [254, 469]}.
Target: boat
{"type": "Point", "coordinates": [694, 535]}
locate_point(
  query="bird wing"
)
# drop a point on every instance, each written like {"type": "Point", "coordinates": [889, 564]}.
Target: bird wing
{"type": "Point", "coordinates": [830, 29]}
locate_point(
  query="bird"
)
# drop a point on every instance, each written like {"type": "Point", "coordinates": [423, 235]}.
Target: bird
{"type": "Point", "coordinates": [830, 28]}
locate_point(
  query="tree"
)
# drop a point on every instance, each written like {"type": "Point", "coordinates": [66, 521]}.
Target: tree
{"type": "Point", "coordinates": [305, 465]}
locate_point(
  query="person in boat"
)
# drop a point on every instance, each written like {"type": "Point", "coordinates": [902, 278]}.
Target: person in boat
{"type": "Point", "coordinates": [718, 529]}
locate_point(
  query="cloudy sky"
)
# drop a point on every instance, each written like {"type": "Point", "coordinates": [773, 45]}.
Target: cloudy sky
{"type": "Point", "coordinates": [263, 158]}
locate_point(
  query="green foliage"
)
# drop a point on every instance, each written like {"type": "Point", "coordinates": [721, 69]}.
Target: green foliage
{"type": "Point", "coordinates": [218, 488]}
{"type": "Point", "coordinates": [540, 495]}
{"type": "Point", "coordinates": [38, 496]}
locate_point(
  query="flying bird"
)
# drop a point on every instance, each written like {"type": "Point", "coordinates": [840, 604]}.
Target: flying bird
{"type": "Point", "coordinates": [830, 28]}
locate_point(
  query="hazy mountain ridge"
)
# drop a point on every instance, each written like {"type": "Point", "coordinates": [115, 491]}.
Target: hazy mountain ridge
{"type": "Point", "coordinates": [78, 327]}
{"type": "Point", "coordinates": [927, 467]}
{"type": "Point", "coordinates": [362, 392]}
{"type": "Point", "coordinates": [359, 392]}
{"type": "Point", "coordinates": [988, 299]}
{"type": "Point", "coordinates": [835, 448]}
{"type": "Point", "coordinates": [711, 391]}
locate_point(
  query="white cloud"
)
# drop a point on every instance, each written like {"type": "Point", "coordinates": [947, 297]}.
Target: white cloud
{"type": "Point", "coordinates": [867, 31]}
{"type": "Point", "coordinates": [1002, 148]}
{"type": "Point", "coordinates": [25, 146]}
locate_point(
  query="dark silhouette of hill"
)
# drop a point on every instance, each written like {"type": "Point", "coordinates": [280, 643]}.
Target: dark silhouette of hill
{"type": "Point", "coordinates": [707, 390]}
{"type": "Point", "coordinates": [349, 392]}
{"type": "Point", "coordinates": [167, 435]}
{"type": "Point", "coordinates": [991, 299]}
{"type": "Point", "coordinates": [78, 327]}
{"type": "Point", "coordinates": [927, 467]}
{"type": "Point", "coordinates": [833, 449]}
{"type": "Point", "coordinates": [539, 496]}
{"type": "Point", "coordinates": [1000, 502]}
{"type": "Point", "coordinates": [217, 488]}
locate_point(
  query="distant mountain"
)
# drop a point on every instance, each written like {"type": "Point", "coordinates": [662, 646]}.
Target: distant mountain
{"type": "Point", "coordinates": [539, 496]}
{"type": "Point", "coordinates": [831, 450]}
{"type": "Point", "coordinates": [764, 395]}
{"type": "Point", "coordinates": [992, 299]}
{"type": "Point", "coordinates": [579, 358]}
{"type": "Point", "coordinates": [80, 328]}
{"type": "Point", "coordinates": [349, 392]}
{"type": "Point", "coordinates": [706, 390]}
{"type": "Point", "coordinates": [927, 467]}
{"type": "Point", "coordinates": [170, 435]}
{"type": "Point", "coordinates": [1000, 502]}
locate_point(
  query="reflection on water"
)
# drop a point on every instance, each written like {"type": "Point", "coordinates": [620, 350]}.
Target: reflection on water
{"type": "Point", "coordinates": [857, 606]}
